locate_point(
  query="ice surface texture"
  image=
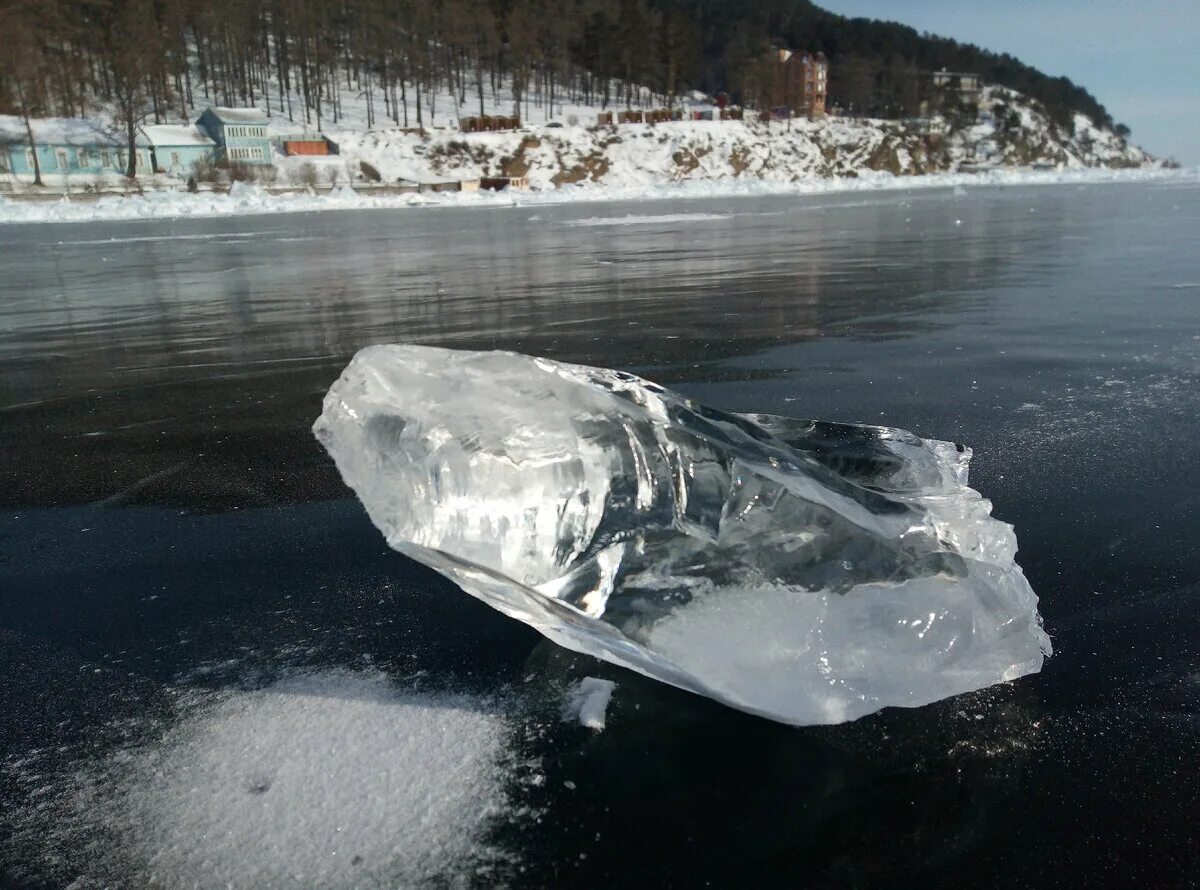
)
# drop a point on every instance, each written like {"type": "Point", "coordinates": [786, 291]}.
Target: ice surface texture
{"type": "Point", "coordinates": [808, 572]}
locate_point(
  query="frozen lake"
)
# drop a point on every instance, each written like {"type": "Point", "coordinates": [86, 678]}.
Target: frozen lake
{"type": "Point", "coordinates": [216, 669]}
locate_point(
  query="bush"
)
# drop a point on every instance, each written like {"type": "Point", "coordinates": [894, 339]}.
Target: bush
{"type": "Point", "coordinates": [369, 172]}
{"type": "Point", "coordinates": [207, 170]}
{"type": "Point", "coordinates": [237, 171]}
{"type": "Point", "coordinates": [305, 174]}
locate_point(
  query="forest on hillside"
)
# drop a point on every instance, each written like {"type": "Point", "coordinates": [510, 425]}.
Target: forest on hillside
{"type": "Point", "coordinates": [151, 60]}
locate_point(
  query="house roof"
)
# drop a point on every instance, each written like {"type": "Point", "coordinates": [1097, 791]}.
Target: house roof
{"type": "Point", "coordinates": [239, 115]}
{"type": "Point", "coordinates": [55, 131]}
{"type": "Point", "coordinates": [966, 75]}
{"type": "Point", "coordinates": [174, 134]}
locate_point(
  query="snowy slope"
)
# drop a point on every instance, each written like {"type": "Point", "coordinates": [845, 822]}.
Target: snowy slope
{"type": "Point", "coordinates": [564, 161]}
{"type": "Point", "coordinates": [1016, 130]}
{"type": "Point", "coordinates": [1013, 132]}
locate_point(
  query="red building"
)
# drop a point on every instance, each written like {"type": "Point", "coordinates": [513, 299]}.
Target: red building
{"type": "Point", "coordinates": [798, 81]}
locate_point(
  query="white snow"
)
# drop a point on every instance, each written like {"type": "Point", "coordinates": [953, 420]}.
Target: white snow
{"type": "Point", "coordinates": [248, 200]}
{"type": "Point", "coordinates": [174, 134]}
{"type": "Point", "coordinates": [640, 160]}
{"type": "Point", "coordinates": [635, 220]}
{"type": "Point", "coordinates": [55, 131]}
{"type": "Point", "coordinates": [239, 115]}
{"type": "Point", "coordinates": [588, 702]}
{"type": "Point", "coordinates": [333, 780]}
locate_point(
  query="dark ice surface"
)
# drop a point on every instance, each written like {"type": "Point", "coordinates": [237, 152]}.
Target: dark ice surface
{"type": "Point", "coordinates": [168, 523]}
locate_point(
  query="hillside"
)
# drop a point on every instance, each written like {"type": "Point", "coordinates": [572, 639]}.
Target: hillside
{"type": "Point", "coordinates": [1013, 132]}
{"type": "Point", "coordinates": [875, 65]}
{"type": "Point", "coordinates": [151, 60]}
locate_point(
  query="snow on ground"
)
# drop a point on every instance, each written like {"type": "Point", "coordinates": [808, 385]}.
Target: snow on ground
{"type": "Point", "coordinates": [587, 702]}
{"type": "Point", "coordinates": [55, 130]}
{"type": "Point", "coordinates": [249, 200]}
{"type": "Point", "coordinates": [564, 147]}
{"type": "Point", "coordinates": [333, 779]}
{"type": "Point", "coordinates": [639, 220]}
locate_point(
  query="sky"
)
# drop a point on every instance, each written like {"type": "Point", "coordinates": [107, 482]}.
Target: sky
{"type": "Point", "coordinates": [1140, 59]}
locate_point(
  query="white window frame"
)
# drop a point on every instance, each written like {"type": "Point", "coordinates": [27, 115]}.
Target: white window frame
{"type": "Point", "coordinates": [175, 161]}
{"type": "Point", "coordinates": [246, 153]}
{"type": "Point", "coordinates": [105, 157]}
{"type": "Point", "coordinates": [62, 161]}
{"type": "Point", "coordinates": [83, 158]}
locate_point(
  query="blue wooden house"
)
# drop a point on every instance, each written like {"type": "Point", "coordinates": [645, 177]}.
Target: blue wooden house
{"type": "Point", "coordinates": [65, 146]}
{"type": "Point", "coordinates": [177, 149]}
{"type": "Point", "coordinates": [240, 134]}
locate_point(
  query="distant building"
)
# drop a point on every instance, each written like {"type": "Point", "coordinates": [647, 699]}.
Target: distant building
{"type": "Point", "coordinates": [489, 123]}
{"type": "Point", "coordinates": [240, 134]}
{"type": "Point", "coordinates": [177, 149]}
{"type": "Point", "coordinates": [426, 184]}
{"type": "Point", "coordinates": [65, 146]}
{"type": "Point", "coordinates": [797, 83]}
{"type": "Point", "coordinates": [502, 183]}
{"type": "Point", "coordinates": [951, 92]}
{"type": "Point", "coordinates": [313, 146]}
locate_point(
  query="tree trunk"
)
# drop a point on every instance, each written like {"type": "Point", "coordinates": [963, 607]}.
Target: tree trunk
{"type": "Point", "coordinates": [131, 141]}
{"type": "Point", "coordinates": [37, 167]}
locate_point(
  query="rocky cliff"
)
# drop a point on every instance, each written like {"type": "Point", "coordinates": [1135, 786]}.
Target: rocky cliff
{"type": "Point", "coordinates": [1011, 131]}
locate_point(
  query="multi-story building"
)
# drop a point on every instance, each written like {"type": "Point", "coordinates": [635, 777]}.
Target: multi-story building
{"type": "Point", "coordinates": [798, 82]}
{"type": "Point", "coordinates": [240, 134]}
{"type": "Point", "coordinates": [950, 92]}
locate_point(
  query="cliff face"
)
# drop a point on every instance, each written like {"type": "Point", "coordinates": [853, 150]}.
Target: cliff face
{"type": "Point", "coordinates": [1012, 131]}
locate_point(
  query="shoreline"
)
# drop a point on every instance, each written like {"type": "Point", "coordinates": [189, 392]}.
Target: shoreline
{"type": "Point", "coordinates": [253, 201]}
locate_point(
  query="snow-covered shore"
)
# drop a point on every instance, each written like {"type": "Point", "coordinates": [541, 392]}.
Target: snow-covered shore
{"type": "Point", "coordinates": [249, 200]}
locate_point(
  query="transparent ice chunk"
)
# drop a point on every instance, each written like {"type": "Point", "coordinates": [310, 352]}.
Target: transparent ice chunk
{"type": "Point", "coordinates": [807, 572]}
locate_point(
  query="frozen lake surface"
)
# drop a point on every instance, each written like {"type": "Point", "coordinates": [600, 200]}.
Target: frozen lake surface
{"type": "Point", "coordinates": [215, 668]}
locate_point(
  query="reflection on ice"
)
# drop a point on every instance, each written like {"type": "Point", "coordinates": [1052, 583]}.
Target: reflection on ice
{"type": "Point", "coordinates": [808, 572]}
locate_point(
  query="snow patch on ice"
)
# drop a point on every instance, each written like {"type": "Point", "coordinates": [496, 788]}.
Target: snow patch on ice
{"type": "Point", "coordinates": [331, 780]}
{"type": "Point", "coordinates": [588, 702]}
{"type": "Point", "coordinates": [634, 220]}
{"type": "Point", "coordinates": [253, 200]}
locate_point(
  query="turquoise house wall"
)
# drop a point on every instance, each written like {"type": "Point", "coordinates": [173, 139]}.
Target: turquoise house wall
{"type": "Point", "coordinates": [244, 141]}
{"type": "Point", "coordinates": [180, 160]}
{"type": "Point", "coordinates": [68, 159]}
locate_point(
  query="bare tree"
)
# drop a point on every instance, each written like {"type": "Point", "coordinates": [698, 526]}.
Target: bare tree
{"type": "Point", "coordinates": [22, 68]}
